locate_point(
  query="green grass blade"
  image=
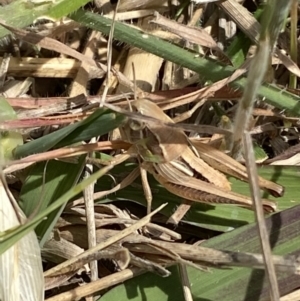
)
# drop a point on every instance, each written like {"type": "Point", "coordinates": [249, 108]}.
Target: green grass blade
{"type": "Point", "coordinates": [9, 238]}
{"type": "Point", "coordinates": [9, 140]}
{"type": "Point", "coordinates": [21, 13]}
{"type": "Point", "coordinates": [99, 123]}
{"type": "Point", "coordinates": [36, 195]}
{"type": "Point", "coordinates": [154, 45]}
{"type": "Point", "coordinates": [156, 288]}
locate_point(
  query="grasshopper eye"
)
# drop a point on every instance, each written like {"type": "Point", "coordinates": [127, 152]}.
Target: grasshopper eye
{"type": "Point", "coordinates": [137, 125]}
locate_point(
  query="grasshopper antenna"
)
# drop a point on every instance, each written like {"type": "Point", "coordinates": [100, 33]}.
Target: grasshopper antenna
{"type": "Point", "coordinates": [134, 89]}
{"type": "Point", "coordinates": [109, 55]}
{"type": "Point", "coordinates": [134, 81]}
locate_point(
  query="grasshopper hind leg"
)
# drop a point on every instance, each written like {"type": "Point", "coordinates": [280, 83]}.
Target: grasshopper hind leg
{"type": "Point", "coordinates": [146, 188]}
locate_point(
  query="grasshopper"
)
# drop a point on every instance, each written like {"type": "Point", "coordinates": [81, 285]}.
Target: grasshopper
{"type": "Point", "coordinates": [191, 170]}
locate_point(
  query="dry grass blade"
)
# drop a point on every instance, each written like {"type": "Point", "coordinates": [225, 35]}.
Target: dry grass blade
{"type": "Point", "coordinates": [251, 27]}
{"type": "Point", "coordinates": [180, 212]}
{"type": "Point", "coordinates": [55, 250]}
{"type": "Point", "coordinates": [128, 5]}
{"type": "Point", "coordinates": [121, 256]}
{"type": "Point", "coordinates": [51, 44]}
{"type": "Point", "coordinates": [145, 79]}
{"type": "Point", "coordinates": [88, 195]}
{"type": "Point", "coordinates": [49, 67]}
{"type": "Point", "coordinates": [256, 74]}
{"type": "Point", "coordinates": [89, 289]}
{"type": "Point", "coordinates": [107, 243]}
{"type": "Point", "coordinates": [79, 85]}
{"type": "Point", "coordinates": [294, 41]}
{"type": "Point", "coordinates": [3, 69]}
{"type": "Point", "coordinates": [54, 108]}
{"type": "Point", "coordinates": [192, 34]}
{"type": "Point", "coordinates": [229, 166]}
{"type": "Point", "coordinates": [165, 252]}
{"type": "Point", "coordinates": [262, 229]}
{"type": "Point", "coordinates": [275, 13]}
{"type": "Point", "coordinates": [185, 283]}
{"type": "Point", "coordinates": [294, 296]}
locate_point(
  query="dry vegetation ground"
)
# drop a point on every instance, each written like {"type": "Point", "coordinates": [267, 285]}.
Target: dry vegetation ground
{"type": "Point", "coordinates": [56, 72]}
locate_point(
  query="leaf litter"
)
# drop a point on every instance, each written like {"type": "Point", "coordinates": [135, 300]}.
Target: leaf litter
{"type": "Point", "coordinates": [51, 100]}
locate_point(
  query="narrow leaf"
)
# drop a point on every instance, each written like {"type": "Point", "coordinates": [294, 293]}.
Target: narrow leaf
{"type": "Point", "coordinates": [10, 237]}
{"type": "Point", "coordinates": [100, 122]}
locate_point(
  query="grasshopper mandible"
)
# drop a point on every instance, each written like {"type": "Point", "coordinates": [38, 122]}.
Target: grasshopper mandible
{"type": "Point", "coordinates": [193, 171]}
